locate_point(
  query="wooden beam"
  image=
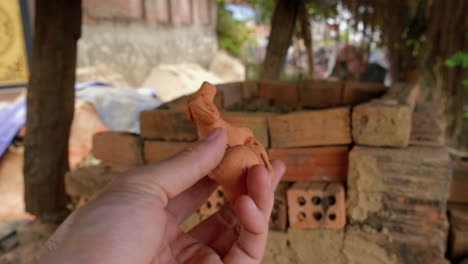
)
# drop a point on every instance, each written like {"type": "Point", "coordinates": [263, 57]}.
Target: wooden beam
{"type": "Point", "coordinates": [282, 27]}
{"type": "Point", "coordinates": [307, 36]}
{"type": "Point", "coordinates": [50, 100]}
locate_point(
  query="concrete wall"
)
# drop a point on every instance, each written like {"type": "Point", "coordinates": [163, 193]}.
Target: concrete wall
{"type": "Point", "coordinates": [133, 36]}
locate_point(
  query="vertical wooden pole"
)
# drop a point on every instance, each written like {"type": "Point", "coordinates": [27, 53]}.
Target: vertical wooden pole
{"type": "Point", "coordinates": [50, 102]}
{"type": "Point", "coordinates": [307, 36]}
{"type": "Point", "coordinates": [282, 27]}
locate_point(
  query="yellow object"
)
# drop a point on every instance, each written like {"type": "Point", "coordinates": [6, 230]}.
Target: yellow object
{"type": "Point", "coordinates": [13, 56]}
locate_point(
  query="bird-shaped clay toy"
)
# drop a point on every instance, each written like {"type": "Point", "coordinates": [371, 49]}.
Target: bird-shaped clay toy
{"type": "Point", "coordinates": [243, 150]}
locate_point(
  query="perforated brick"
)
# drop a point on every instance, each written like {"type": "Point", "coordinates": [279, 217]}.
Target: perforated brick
{"type": "Point", "coordinates": [214, 202]}
{"type": "Point", "coordinates": [317, 205]}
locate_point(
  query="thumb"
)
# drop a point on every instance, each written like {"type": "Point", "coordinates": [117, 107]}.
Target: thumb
{"type": "Point", "coordinates": [172, 176]}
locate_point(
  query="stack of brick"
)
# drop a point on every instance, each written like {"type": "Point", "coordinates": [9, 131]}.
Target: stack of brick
{"type": "Point", "coordinates": [458, 212]}
{"type": "Point", "coordinates": [399, 176]}
{"type": "Point", "coordinates": [383, 201]}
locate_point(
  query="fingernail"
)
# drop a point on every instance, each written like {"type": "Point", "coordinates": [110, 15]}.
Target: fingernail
{"type": "Point", "coordinates": [213, 134]}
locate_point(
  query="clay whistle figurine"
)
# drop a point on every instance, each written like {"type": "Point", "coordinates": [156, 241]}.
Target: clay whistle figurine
{"type": "Point", "coordinates": [243, 150]}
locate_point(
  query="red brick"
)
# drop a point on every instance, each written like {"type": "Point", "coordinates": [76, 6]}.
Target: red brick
{"type": "Point", "coordinates": [157, 12]}
{"type": "Point", "coordinates": [181, 12]}
{"type": "Point", "coordinates": [310, 128]}
{"type": "Point", "coordinates": [458, 236]}
{"type": "Point", "coordinates": [167, 125]}
{"type": "Point", "coordinates": [231, 93]}
{"type": "Point", "coordinates": [155, 151]}
{"type": "Point", "coordinates": [313, 164]}
{"type": "Point", "coordinates": [282, 94]}
{"type": "Point", "coordinates": [320, 94]}
{"type": "Point", "coordinates": [250, 89]}
{"type": "Point", "coordinates": [114, 9]}
{"type": "Point", "coordinates": [256, 122]}
{"type": "Point", "coordinates": [358, 92]}
{"type": "Point", "coordinates": [118, 149]}
{"type": "Point", "coordinates": [459, 183]}
{"type": "Point", "coordinates": [215, 201]}
{"type": "Point", "coordinates": [279, 214]}
{"type": "Point", "coordinates": [317, 205]}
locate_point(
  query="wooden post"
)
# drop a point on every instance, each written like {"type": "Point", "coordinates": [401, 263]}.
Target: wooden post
{"type": "Point", "coordinates": [307, 36]}
{"type": "Point", "coordinates": [282, 27]}
{"type": "Point", "coordinates": [50, 102]}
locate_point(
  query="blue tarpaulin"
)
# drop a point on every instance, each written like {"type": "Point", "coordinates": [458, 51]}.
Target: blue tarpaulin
{"type": "Point", "coordinates": [241, 12]}
{"type": "Point", "coordinates": [12, 118]}
{"type": "Point", "coordinates": [118, 109]}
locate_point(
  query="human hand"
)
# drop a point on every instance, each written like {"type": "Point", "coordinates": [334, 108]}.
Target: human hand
{"type": "Point", "coordinates": [136, 220]}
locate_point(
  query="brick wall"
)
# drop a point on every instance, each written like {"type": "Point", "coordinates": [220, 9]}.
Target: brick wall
{"type": "Point", "coordinates": [346, 197]}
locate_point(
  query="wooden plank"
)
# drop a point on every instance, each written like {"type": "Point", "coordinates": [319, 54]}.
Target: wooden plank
{"type": "Point", "coordinates": [282, 28]}
{"type": "Point", "coordinates": [257, 122]}
{"type": "Point", "coordinates": [155, 151]}
{"type": "Point", "coordinates": [118, 149]}
{"type": "Point", "coordinates": [310, 128]}
{"type": "Point", "coordinates": [50, 99]}
{"type": "Point", "coordinates": [428, 125]}
{"type": "Point", "coordinates": [282, 94]}
{"type": "Point", "coordinates": [320, 93]}
{"type": "Point", "coordinates": [358, 92]}
{"type": "Point", "coordinates": [387, 121]}
{"type": "Point", "coordinates": [459, 183]}
{"type": "Point", "coordinates": [313, 164]}
{"type": "Point", "coordinates": [167, 125]}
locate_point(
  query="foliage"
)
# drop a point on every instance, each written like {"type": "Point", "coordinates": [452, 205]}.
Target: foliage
{"type": "Point", "coordinates": [458, 59]}
{"type": "Point", "coordinates": [233, 35]}
{"type": "Point", "coordinates": [265, 10]}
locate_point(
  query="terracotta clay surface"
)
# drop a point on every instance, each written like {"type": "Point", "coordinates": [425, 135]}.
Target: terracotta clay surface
{"type": "Point", "coordinates": [317, 205]}
{"type": "Point", "coordinates": [243, 150]}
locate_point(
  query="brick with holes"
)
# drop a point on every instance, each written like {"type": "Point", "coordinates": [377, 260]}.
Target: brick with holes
{"type": "Point", "coordinates": [317, 205]}
{"type": "Point", "coordinates": [215, 201]}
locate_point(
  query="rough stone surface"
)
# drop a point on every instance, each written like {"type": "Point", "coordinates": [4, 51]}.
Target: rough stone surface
{"type": "Point", "coordinates": [134, 50]}
{"type": "Point", "coordinates": [279, 249]}
{"type": "Point", "coordinates": [318, 245]}
{"type": "Point", "coordinates": [428, 125]}
{"type": "Point", "coordinates": [402, 192]}
{"type": "Point", "coordinates": [227, 67]}
{"type": "Point", "coordinates": [381, 124]}
{"type": "Point", "coordinates": [361, 247]}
